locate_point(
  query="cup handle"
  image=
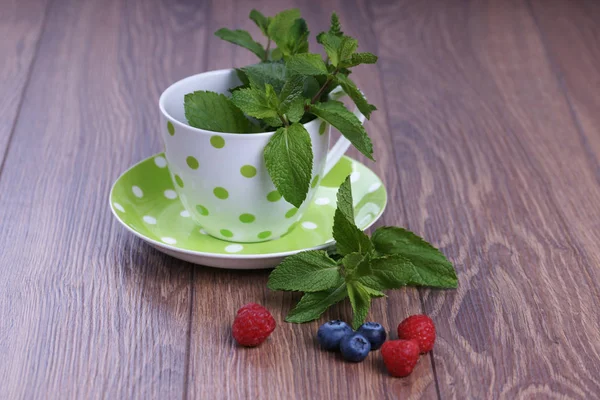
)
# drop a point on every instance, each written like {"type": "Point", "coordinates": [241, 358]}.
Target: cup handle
{"type": "Point", "coordinates": [341, 146]}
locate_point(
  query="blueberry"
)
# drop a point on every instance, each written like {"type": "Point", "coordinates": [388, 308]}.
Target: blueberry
{"type": "Point", "coordinates": [355, 347]}
{"type": "Point", "coordinates": [374, 332]}
{"type": "Point", "coordinates": [330, 334]}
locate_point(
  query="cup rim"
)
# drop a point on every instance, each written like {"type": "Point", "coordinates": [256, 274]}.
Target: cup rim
{"type": "Point", "coordinates": [166, 92]}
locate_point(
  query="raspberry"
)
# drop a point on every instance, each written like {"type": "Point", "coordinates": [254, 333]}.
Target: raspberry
{"type": "Point", "coordinates": [250, 306]}
{"type": "Point", "coordinates": [252, 325]}
{"type": "Point", "coordinates": [419, 328]}
{"type": "Point", "coordinates": [400, 356]}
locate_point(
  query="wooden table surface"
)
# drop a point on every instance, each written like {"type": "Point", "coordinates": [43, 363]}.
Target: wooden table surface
{"type": "Point", "coordinates": [488, 139]}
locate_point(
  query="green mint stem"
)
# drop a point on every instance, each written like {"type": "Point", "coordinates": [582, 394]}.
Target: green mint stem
{"type": "Point", "coordinates": [320, 92]}
{"type": "Point", "coordinates": [266, 58]}
{"type": "Point", "coordinates": [284, 119]}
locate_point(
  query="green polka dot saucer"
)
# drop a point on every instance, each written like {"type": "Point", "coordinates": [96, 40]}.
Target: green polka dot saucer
{"type": "Point", "coordinates": [143, 199]}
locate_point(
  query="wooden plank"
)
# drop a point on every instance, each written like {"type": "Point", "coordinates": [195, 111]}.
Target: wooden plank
{"type": "Point", "coordinates": [572, 36]}
{"type": "Point", "coordinates": [21, 23]}
{"type": "Point", "coordinates": [493, 172]}
{"type": "Point", "coordinates": [89, 311]}
{"type": "Point", "coordinates": [290, 364]}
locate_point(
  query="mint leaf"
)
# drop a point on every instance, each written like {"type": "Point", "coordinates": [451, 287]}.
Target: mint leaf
{"type": "Point", "coordinates": [273, 73]}
{"type": "Point", "coordinates": [242, 77]}
{"type": "Point", "coordinates": [272, 123]}
{"type": "Point", "coordinates": [215, 112]}
{"type": "Point", "coordinates": [350, 262]}
{"type": "Point", "coordinates": [292, 88]}
{"type": "Point", "coordinates": [349, 238]}
{"type": "Point", "coordinates": [394, 271]}
{"type": "Point", "coordinates": [306, 64]}
{"type": "Point", "coordinates": [297, 39]}
{"type": "Point", "coordinates": [356, 95]}
{"type": "Point", "coordinates": [345, 201]}
{"type": "Point", "coordinates": [289, 160]}
{"type": "Point", "coordinates": [360, 299]}
{"type": "Point", "coordinates": [423, 264]}
{"type": "Point", "coordinates": [347, 48]}
{"type": "Point", "coordinates": [311, 87]}
{"type": "Point", "coordinates": [388, 272]}
{"type": "Point", "coordinates": [338, 48]}
{"type": "Point", "coordinates": [260, 20]}
{"type": "Point", "coordinates": [312, 305]}
{"type": "Point", "coordinates": [373, 292]}
{"type": "Point", "coordinates": [347, 123]}
{"type": "Point", "coordinates": [276, 54]}
{"type": "Point", "coordinates": [359, 58]}
{"type": "Point", "coordinates": [241, 38]}
{"type": "Point", "coordinates": [356, 265]}
{"type": "Point", "coordinates": [289, 32]}
{"type": "Point", "coordinates": [294, 110]}
{"type": "Point", "coordinates": [257, 103]}
{"type": "Point", "coordinates": [309, 271]}
{"type": "Point", "coordinates": [331, 43]}
{"type": "Point", "coordinates": [336, 28]}
{"type": "Point", "coordinates": [282, 22]}
{"type": "Point", "coordinates": [233, 89]}
{"type": "Point", "coordinates": [292, 99]}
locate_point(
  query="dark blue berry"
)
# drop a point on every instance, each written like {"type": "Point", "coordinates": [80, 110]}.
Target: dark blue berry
{"type": "Point", "coordinates": [374, 332]}
{"type": "Point", "coordinates": [355, 347]}
{"type": "Point", "coordinates": [331, 333]}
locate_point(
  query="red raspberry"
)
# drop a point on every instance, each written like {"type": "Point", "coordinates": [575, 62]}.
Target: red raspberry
{"type": "Point", "coordinates": [250, 306]}
{"type": "Point", "coordinates": [252, 325]}
{"type": "Point", "coordinates": [419, 328]}
{"type": "Point", "coordinates": [400, 356]}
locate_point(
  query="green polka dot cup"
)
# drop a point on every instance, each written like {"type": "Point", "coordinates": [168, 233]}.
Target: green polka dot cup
{"type": "Point", "coordinates": [221, 178]}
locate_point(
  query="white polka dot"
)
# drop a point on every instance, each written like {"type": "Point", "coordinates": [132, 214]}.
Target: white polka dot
{"type": "Point", "coordinates": [202, 231]}
{"type": "Point", "coordinates": [137, 192]}
{"type": "Point", "coordinates": [309, 225]}
{"type": "Point", "coordinates": [365, 220]}
{"type": "Point", "coordinates": [234, 248]}
{"type": "Point", "coordinates": [370, 208]}
{"type": "Point", "coordinates": [168, 240]}
{"type": "Point", "coordinates": [321, 201]}
{"type": "Point", "coordinates": [374, 187]}
{"type": "Point", "coordinates": [119, 207]}
{"type": "Point", "coordinates": [170, 194]}
{"type": "Point", "coordinates": [149, 220]}
{"type": "Point", "coordinates": [355, 176]}
{"type": "Point", "coordinates": [185, 214]}
{"type": "Point", "coordinates": [160, 162]}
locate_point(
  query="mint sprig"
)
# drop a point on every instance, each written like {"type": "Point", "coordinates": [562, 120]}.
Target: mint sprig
{"type": "Point", "coordinates": [392, 258]}
{"type": "Point", "coordinates": [289, 85]}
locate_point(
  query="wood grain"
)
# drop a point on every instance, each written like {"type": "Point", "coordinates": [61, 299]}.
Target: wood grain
{"type": "Point", "coordinates": [487, 139]}
{"type": "Point", "coordinates": [494, 173]}
{"type": "Point", "coordinates": [571, 35]}
{"type": "Point", "coordinates": [21, 24]}
{"type": "Point", "coordinates": [89, 311]}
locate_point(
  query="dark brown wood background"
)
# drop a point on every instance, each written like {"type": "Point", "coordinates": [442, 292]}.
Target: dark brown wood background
{"type": "Point", "coordinates": [487, 136]}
